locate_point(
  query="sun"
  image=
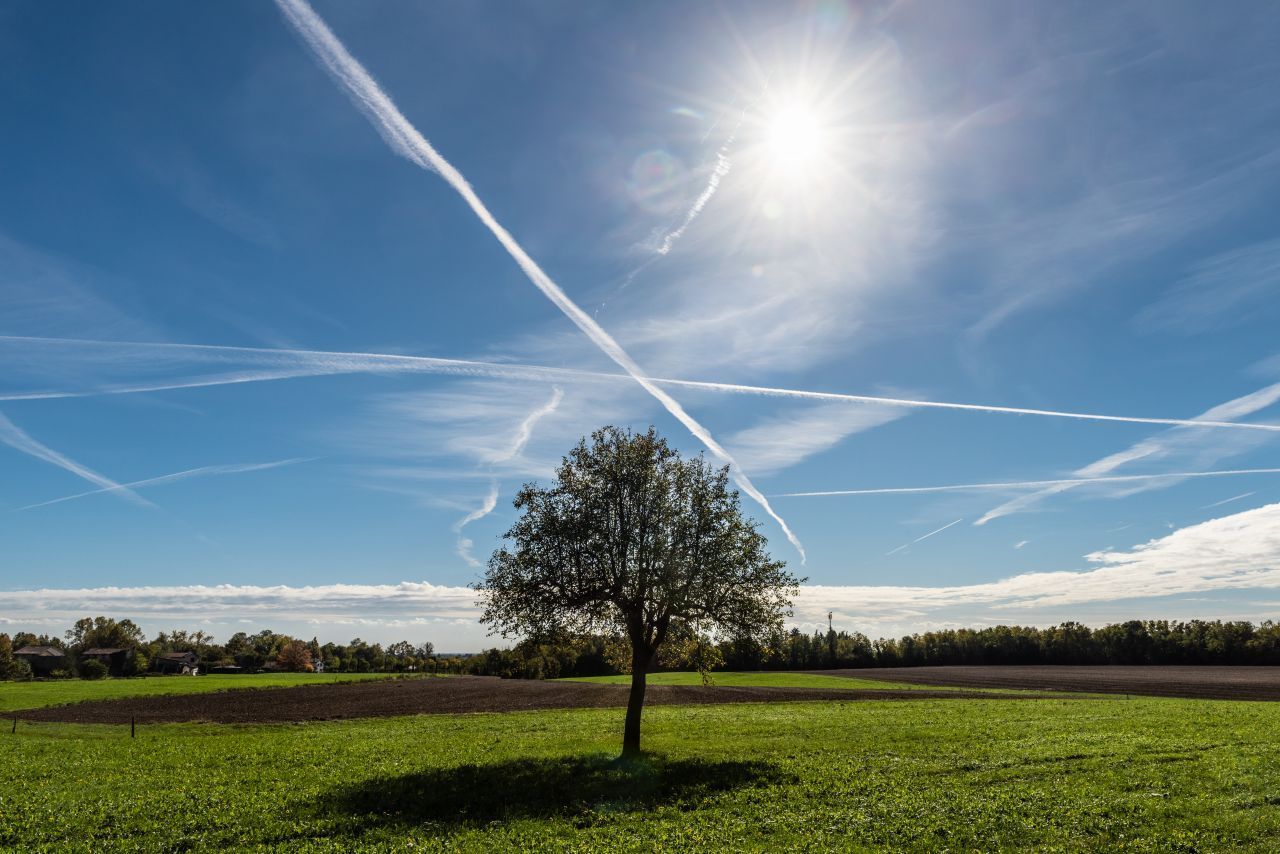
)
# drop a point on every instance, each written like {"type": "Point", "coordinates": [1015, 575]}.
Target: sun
{"type": "Point", "coordinates": [794, 137]}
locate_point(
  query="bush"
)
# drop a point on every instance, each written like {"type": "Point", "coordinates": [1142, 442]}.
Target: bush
{"type": "Point", "coordinates": [93, 669]}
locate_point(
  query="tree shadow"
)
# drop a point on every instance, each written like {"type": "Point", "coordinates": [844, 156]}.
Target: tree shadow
{"type": "Point", "coordinates": [583, 788]}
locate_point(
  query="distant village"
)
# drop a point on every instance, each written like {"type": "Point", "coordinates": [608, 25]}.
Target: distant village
{"type": "Point", "coordinates": [97, 647]}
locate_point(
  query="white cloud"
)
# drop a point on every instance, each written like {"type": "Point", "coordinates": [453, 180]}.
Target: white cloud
{"type": "Point", "coordinates": [1240, 552]}
{"type": "Point", "coordinates": [1237, 552]}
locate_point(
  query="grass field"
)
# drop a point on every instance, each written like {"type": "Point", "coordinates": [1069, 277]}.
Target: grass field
{"type": "Point", "coordinates": [1054, 775]}
{"type": "Point", "coordinates": [32, 695]}
{"type": "Point", "coordinates": [760, 680]}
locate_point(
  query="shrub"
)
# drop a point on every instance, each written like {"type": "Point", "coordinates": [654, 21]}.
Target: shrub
{"type": "Point", "coordinates": [93, 669]}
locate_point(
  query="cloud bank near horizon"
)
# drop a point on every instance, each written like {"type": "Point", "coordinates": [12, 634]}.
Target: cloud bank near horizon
{"type": "Point", "coordinates": [1231, 553]}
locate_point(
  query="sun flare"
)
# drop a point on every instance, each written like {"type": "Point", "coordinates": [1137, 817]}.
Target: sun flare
{"type": "Point", "coordinates": [795, 137]}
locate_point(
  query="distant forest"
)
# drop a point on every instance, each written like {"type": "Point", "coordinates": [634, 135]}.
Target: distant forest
{"type": "Point", "coordinates": [1132, 642]}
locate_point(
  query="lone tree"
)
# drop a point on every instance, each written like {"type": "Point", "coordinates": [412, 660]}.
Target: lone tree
{"type": "Point", "coordinates": [634, 540]}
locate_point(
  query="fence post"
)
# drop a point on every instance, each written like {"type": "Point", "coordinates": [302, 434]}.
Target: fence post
{"type": "Point", "coordinates": [133, 727]}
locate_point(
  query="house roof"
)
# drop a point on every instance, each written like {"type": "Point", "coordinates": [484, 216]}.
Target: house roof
{"type": "Point", "coordinates": [103, 650]}
{"type": "Point", "coordinates": [40, 650]}
{"type": "Point", "coordinates": [177, 656]}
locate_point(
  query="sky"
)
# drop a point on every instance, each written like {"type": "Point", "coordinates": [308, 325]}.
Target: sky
{"type": "Point", "coordinates": [294, 298]}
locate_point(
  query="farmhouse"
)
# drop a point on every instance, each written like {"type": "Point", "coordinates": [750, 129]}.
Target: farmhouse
{"type": "Point", "coordinates": [42, 659]}
{"type": "Point", "coordinates": [115, 658]}
{"type": "Point", "coordinates": [185, 663]}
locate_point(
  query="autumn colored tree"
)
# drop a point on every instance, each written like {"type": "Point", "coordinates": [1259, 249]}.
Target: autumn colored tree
{"type": "Point", "coordinates": [295, 656]}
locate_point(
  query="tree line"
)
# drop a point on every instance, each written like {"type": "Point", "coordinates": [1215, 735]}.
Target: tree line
{"type": "Point", "coordinates": [265, 650]}
{"type": "Point", "coordinates": [1131, 642]}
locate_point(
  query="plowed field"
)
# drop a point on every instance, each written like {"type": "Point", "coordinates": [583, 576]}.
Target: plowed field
{"type": "Point", "coordinates": [1208, 682]}
{"type": "Point", "coordinates": [450, 695]}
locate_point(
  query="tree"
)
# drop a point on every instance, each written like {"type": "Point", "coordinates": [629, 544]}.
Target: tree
{"type": "Point", "coordinates": [632, 539]}
{"type": "Point", "coordinates": [104, 632]}
{"type": "Point", "coordinates": [295, 656]}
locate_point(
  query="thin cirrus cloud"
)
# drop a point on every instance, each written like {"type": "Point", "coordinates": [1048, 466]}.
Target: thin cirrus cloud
{"type": "Point", "coordinates": [406, 140]}
{"type": "Point", "coordinates": [18, 439]}
{"type": "Point", "coordinates": [778, 443]}
{"type": "Point", "coordinates": [282, 364]}
{"type": "Point", "coordinates": [1231, 553]}
{"type": "Point", "coordinates": [174, 477]}
{"type": "Point", "coordinates": [1226, 290]}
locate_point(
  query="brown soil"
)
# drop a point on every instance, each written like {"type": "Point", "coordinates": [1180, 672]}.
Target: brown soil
{"type": "Point", "coordinates": [451, 695]}
{"type": "Point", "coordinates": [1205, 682]}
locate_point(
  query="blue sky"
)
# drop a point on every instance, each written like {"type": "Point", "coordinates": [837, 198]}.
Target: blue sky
{"type": "Point", "coordinates": [243, 296]}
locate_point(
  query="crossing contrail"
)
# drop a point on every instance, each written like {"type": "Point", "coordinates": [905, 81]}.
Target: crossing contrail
{"type": "Point", "coordinates": [236, 468]}
{"type": "Point", "coordinates": [1024, 484]}
{"type": "Point", "coordinates": [18, 439]}
{"type": "Point", "coordinates": [405, 139]}
{"type": "Point", "coordinates": [279, 364]}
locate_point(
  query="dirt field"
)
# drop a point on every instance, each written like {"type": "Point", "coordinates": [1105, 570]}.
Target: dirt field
{"type": "Point", "coordinates": [429, 696]}
{"type": "Point", "coordinates": [1218, 683]}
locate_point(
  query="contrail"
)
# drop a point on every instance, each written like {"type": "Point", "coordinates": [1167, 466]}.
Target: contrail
{"type": "Point", "coordinates": [925, 537]}
{"type": "Point", "coordinates": [523, 433]}
{"type": "Point", "coordinates": [1229, 500]}
{"type": "Point", "coordinates": [405, 139]}
{"type": "Point", "coordinates": [723, 164]}
{"type": "Point", "coordinates": [464, 544]}
{"type": "Point", "coordinates": [236, 468]}
{"type": "Point", "coordinates": [1024, 484]}
{"type": "Point", "coordinates": [317, 363]}
{"type": "Point", "coordinates": [526, 427]}
{"type": "Point", "coordinates": [1154, 447]}
{"type": "Point", "coordinates": [15, 437]}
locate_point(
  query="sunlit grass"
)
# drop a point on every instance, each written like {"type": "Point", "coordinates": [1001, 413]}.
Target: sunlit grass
{"type": "Point", "coordinates": [917, 775]}
{"type": "Point", "coordinates": [32, 695]}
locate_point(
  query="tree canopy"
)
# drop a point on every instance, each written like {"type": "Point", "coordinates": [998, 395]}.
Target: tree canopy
{"type": "Point", "coordinates": [633, 539]}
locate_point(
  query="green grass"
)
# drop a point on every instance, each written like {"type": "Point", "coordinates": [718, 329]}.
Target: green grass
{"type": "Point", "coordinates": [918, 775]}
{"type": "Point", "coordinates": [32, 695]}
{"type": "Point", "coordinates": [765, 680]}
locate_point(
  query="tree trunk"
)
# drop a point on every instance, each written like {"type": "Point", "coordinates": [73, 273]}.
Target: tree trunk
{"type": "Point", "coordinates": [635, 704]}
